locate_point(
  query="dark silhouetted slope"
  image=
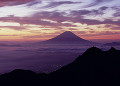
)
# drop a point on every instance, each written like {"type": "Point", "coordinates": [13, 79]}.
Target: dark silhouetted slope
{"type": "Point", "coordinates": [94, 68]}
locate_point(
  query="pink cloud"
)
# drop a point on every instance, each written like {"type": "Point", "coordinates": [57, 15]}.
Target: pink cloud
{"type": "Point", "coordinates": [13, 2]}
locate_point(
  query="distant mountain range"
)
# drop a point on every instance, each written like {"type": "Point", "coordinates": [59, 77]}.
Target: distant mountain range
{"type": "Point", "coordinates": [112, 44]}
{"type": "Point", "coordinates": [9, 45]}
{"type": "Point", "coordinates": [68, 38]}
{"type": "Point", "coordinates": [93, 68]}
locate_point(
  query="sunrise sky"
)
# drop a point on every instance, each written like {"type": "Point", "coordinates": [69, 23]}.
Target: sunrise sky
{"type": "Point", "coordinates": [24, 20]}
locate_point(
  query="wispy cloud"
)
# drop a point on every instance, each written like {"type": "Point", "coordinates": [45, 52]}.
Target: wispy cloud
{"type": "Point", "coordinates": [58, 18]}
{"type": "Point", "coordinates": [13, 2]}
{"type": "Point", "coordinates": [97, 2]}
{"type": "Point", "coordinates": [59, 3]}
{"type": "Point", "coordinates": [14, 27]}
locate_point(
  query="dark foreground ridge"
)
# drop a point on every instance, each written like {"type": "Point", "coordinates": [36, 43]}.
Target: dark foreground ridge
{"type": "Point", "coordinates": [93, 68]}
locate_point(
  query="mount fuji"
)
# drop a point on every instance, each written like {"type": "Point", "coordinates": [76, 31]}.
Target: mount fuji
{"type": "Point", "coordinates": [68, 37]}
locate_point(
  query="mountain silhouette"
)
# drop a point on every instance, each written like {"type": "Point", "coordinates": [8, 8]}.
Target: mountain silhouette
{"type": "Point", "coordinates": [67, 38]}
{"type": "Point", "coordinates": [93, 68]}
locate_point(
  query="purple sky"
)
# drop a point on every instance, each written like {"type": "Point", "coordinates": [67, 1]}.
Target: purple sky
{"type": "Point", "coordinates": [43, 19]}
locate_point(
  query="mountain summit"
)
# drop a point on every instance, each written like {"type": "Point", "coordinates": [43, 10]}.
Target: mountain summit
{"type": "Point", "coordinates": [67, 38]}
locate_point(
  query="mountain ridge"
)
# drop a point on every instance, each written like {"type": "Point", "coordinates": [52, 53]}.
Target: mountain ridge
{"type": "Point", "coordinates": [112, 44]}
{"type": "Point", "coordinates": [68, 37]}
{"type": "Point", "coordinates": [93, 68]}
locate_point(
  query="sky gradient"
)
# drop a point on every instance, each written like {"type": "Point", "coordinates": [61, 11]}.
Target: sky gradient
{"type": "Point", "coordinates": [27, 20]}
